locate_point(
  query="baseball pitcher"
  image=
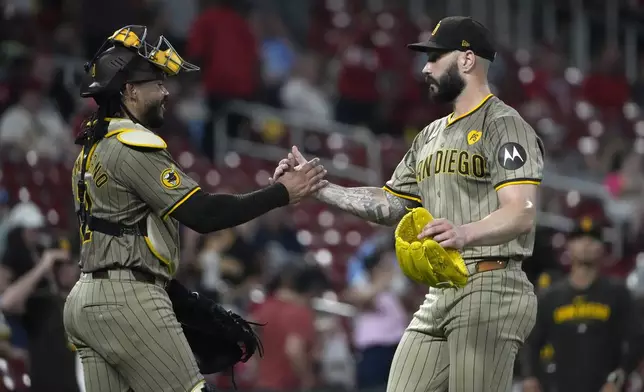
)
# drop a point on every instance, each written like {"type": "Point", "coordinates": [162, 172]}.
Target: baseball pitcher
{"type": "Point", "coordinates": [477, 171]}
{"type": "Point", "coordinates": [136, 328]}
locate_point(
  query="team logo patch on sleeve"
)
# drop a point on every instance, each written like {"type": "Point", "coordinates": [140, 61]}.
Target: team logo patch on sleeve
{"type": "Point", "coordinates": [170, 178]}
{"type": "Point", "coordinates": [512, 156]}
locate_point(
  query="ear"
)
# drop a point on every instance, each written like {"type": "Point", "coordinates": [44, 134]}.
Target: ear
{"type": "Point", "coordinates": [467, 61]}
{"type": "Point", "coordinates": [129, 92]}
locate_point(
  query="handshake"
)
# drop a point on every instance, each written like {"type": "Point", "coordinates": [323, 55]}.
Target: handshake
{"type": "Point", "coordinates": [301, 178]}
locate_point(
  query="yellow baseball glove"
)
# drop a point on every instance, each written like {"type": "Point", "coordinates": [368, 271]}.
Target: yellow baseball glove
{"type": "Point", "coordinates": [424, 261]}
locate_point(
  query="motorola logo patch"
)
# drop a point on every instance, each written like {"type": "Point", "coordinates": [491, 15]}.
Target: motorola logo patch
{"type": "Point", "coordinates": [512, 156]}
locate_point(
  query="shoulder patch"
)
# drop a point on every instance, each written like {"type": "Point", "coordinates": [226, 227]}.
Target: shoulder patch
{"type": "Point", "coordinates": [512, 156]}
{"type": "Point", "coordinates": [170, 178]}
{"type": "Point", "coordinates": [138, 138]}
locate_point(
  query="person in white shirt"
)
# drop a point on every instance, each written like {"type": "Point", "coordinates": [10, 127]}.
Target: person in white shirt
{"type": "Point", "coordinates": [380, 322]}
{"type": "Point", "coordinates": [33, 124]}
{"type": "Point", "coordinates": [302, 92]}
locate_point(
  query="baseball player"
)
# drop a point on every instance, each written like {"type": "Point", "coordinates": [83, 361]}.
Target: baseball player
{"type": "Point", "coordinates": [130, 197]}
{"type": "Point", "coordinates": [477, 171]}
{"type": "Point", "coordinates": [587, 323]}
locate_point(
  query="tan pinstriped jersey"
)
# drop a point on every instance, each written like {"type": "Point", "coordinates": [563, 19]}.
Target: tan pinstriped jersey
{"type": "Point", "coordinates": [455, 167]}
{"type": "Point", "coordinates": [130, 176]}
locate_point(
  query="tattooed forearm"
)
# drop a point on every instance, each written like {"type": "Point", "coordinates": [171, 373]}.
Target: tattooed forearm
{"type": "Point", "coordinates": [370, 203]}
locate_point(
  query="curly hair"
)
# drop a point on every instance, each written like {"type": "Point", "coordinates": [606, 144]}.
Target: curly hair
{"type": "Point", "coordinates": [95, 126]}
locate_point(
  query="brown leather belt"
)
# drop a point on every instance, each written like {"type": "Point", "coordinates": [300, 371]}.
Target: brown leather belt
{"type": "Point", "coordinates": [139, 276]}
{"type": "Point", "coordinates": [490, 265]}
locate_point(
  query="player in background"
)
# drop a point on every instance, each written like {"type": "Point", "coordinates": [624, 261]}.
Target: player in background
{"type": "Point", "coordinates": [588, 323]}
{"type": "Point", "coordinates": [477, 172]}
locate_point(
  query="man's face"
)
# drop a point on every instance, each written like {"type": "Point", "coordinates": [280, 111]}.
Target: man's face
{"type": "Point", "coordinates": [150, 102]}
{"type": "Point", "coordinates": [443, 77]}
{"type": "Point", "coordinates": [586, 250]}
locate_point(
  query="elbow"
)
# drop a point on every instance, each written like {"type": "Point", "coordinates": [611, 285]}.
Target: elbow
{"type": "Point", "coordinates": [8, 305]}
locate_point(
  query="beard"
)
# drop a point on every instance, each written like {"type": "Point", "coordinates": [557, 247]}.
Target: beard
{"type": "Point", "coordinates": [154, 115]}
{"type": "Point", "coordinates": [448, 87]}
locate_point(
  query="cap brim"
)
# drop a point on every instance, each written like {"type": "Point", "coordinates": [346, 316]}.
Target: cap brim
{"type": "Point", "coordinates": [427, 46]}
{"type": "Point", "coordinates": [595, 234]}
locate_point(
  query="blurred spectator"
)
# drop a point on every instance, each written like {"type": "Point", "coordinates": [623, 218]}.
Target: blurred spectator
{"type": "Point", "coordinates": [588, 323]}
{"type": "Point", "coordinates": [225, 261]}
{"type": "Point", "coordinates": [548, 82]}
{"type": "Point", "coordinates": [33, 124]}
{"type": "Point", "coordinates": [302, 92]}
{"type": "Point", "coordinates": [606, 86]}
{"type": "Point", "coordinates": [337, 364]}
{"type": "Point", "coordinates": [356, 272]}
{"type": "Point", "coordinates": [176, 19]}
{"type": "Point", "coordinates": [276, 241]}
{"type": "Point", "coordinates": [626, 179]}
{"type": "Point", "coordinates": [294, 14]}
{"type": "Point", "coordinates": [50, 75]}
{"type": "Point", "coordinates": [625, 183]}
{"type": "Point", "coordinates": [289, 336]}
{"type": "Point", "coordinates": [380, 322]}
{"type": "Point", "coordinates": [222, 42]}
{"type": "Point", "coordinates": [360, 63]}
{"type": "Point", "coordinates": [277, 56]}
{"type": "Point", "coordinates": [29, 297]}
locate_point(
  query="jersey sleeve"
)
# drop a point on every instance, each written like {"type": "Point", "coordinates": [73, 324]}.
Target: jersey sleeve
{"type": "Point", "coordinates": [514, 152]}
{"type": "Point", "coordinates": [157, 180]}
{"type": "Point", "coordinates": [403, 181]}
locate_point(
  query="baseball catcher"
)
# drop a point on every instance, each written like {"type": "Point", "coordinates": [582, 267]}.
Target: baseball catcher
{"type": "Point", "coordinates": [134, 326]}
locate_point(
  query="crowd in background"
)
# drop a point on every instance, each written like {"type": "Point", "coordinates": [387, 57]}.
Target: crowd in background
{"type": "Point", "coordinates": [330, 60]}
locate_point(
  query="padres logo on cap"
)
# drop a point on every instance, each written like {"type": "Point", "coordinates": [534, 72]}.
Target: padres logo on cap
{"type": "Point", "coordinates": [170, 178]}
{"type": "Point", "coordinates": [586, 223]}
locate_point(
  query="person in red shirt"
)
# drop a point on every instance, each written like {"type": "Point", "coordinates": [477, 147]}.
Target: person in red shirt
{"type": "Point", "coordinates": [227, 50]}
{"type": "Point", "coordinates": [289, 336]}
{"type": "Point", "coordinates": [606, 87]}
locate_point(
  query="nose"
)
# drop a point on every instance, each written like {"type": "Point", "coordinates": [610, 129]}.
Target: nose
{"type": "Point", "coordinates": [427, 69]}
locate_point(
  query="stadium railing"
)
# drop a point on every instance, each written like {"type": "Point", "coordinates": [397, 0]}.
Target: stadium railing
{"type": "Point", "coordinates": [297, 125]}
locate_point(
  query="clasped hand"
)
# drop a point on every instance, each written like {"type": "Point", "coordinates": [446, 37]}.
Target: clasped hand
{"type": "Point", "coordinates": [301, 177]}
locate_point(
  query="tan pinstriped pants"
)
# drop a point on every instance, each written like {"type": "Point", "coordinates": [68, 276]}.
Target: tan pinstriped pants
{"type": "Point", "coordinates": [466, 340]}
{"type": "Point", "coordinates": [128, 337]}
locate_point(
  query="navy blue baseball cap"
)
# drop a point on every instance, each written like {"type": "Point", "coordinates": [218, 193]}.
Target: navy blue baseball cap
{"type": "Point", "coordinates": [460, 33]}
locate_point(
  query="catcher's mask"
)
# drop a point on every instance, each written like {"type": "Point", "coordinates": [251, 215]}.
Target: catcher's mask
{"type": "Point", "coordinates": [126, 57]}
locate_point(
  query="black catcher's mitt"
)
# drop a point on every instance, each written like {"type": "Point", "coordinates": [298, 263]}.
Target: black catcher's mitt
{"type": "Point", "coordinates": [218, 338]}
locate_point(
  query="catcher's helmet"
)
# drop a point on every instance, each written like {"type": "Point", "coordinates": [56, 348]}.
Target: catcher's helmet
{"type": "Point", "coordinates": [126, 57]}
